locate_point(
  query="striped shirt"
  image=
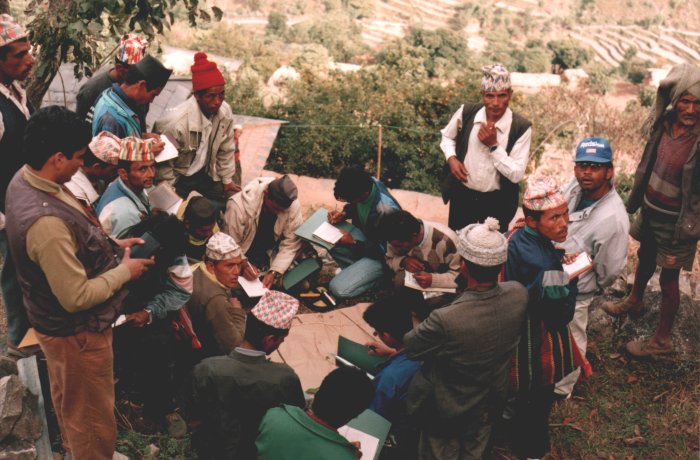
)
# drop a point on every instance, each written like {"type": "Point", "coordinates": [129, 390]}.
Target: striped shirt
{"type": "Point", "coordinates": [663, 191]}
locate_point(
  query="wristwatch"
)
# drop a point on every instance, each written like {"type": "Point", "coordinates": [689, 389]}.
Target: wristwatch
{"type": "Point", "coordinates": [150, 315]}
{"type": "Point", "coordinates": [493, 148]}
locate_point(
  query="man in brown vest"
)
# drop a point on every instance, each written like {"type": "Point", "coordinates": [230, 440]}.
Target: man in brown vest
{"type": "Point", "coordinates": [72, 276]}
{"type": "Point", "coordinates": [486, 147]}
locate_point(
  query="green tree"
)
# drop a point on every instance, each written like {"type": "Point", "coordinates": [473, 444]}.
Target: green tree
{"type": "Point", "coordinates": [568, 54]}
{"type": "Point", "coordinates": [276, 24]}
{"type": "Point", "coordinates": [84, 31]}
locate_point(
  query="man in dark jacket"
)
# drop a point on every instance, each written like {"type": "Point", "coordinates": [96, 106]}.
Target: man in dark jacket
{"type": "Point", "coordinates": [72, 276]}
{"type": "Point", "coordinates": [667, 189]}
{"type": "Point", "coordinates": [486, 147]}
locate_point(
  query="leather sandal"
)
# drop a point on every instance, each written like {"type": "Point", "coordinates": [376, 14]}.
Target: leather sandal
{"type": "Point", "coordinates": [623, 306]}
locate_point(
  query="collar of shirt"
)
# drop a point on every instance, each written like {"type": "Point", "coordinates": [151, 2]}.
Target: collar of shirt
{"type": "Point", "coordinates": [426, 233]}
{"type": "Point", "coordinates": [196, 120]}
{"type": "Point", "coordinates": [21, 103]}
{"type": "Point", "coordinates": [247, 352]}
{"type": "Point", "coordinates": [503, 123]}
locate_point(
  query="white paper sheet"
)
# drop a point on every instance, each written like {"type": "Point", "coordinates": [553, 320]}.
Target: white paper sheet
{"type": "Point", "coordinates": [253, 288]}
{"type": "Point", "coordinates": [369, 443]}
{"type": "Point", "coordinates": [581, 264]}
{"type": "Point", "coordinates": [410, 282]}
{"type": "Point", "coordinates": [169, 151]}
{"type": "Point", "coordinates": [328, 232]}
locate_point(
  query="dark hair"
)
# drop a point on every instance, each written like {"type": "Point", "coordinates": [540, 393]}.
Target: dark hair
{"type": "Point", "coordinates": [125, 165]}
{"type": "Point", "coordinates": [399, 225]}
{"type": "Point", "coordinates": [90, 159]}
{"type": "Point", "coordinates": [483, 274]}
{"type": "Point", "coordinates": [389, 315]}
{"type": "Point", "coordinates": [51, 130]}
{"type": "Point", "coordinates": [5, 50]}
{"type": "Point", "coordinates": [343, 395]}
{"type": "Point", "coordinates": [134, 75]}
{"type": "Point", "coordinates": [537, 215]}
{"type": "Point", "coordinates": [256, 331]}
{"type": "Point", "coordinates": [352, 183]}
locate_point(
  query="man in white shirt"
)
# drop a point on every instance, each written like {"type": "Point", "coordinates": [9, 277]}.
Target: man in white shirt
{"type": "Point", "coordinates": [486, 147]}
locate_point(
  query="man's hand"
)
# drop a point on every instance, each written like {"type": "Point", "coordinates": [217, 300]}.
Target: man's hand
{"type": "Point", "coordinates": [269, 279]}
{"type": "Point", "coordinates": [250, 272]}
{"type": "Point", "coordinates": [336, 216]}
{"type": "Point", "coordinates": [458, 170]}
{"type": "Point", "coordinates": [412, 264]}
{"type": "Point", "coordinates": [423, 279]}
{"type": "Point", "coordinates": [231, 188]}
{"type": "Point", "coordinates": [487, 134]}
{"type": "Point", "coordinates": [379, 348]}
{"type": "Point", "coordinates": [137, 267]}
{"type": "Point", "coordinates": [128, 242]}
{"type": "Point", "coordinates": [138, 319]}
{"type": "Point", "coordinates": [569, 257]}
{"type": "Point", "coordinates": [347, 239]}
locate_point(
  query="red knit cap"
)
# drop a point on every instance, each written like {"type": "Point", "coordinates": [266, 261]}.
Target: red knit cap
{"type": "Point", "coordinates": [205, 74]}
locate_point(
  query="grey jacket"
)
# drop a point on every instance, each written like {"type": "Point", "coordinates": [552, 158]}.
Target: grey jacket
{"type": "Point", "coordinates": [466, 349]}
{"type": "Point", "coordinates": [688, 224]}
{"type": "Point", "coordinates": [601, 230]}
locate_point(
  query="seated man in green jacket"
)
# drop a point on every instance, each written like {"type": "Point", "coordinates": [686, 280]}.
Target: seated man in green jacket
{"type": "Point", "coordinates": [230, 394]}
{"type": "Point", "coordinates": [290, 433]}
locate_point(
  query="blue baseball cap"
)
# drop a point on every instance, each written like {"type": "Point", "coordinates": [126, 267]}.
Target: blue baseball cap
{"type": "Point", "coordinates": [594, 150]}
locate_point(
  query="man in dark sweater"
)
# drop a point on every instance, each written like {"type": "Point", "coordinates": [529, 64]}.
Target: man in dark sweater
{"type": "Point", "coordinates": [16, 62]}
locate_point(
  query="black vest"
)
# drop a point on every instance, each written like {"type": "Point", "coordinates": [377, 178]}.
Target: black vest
{"type": "Point", "coordinates": [96, 252]}
{"type": "Point", "coordinates": [508, 189]}
{"type": "Point", "coordinates": [11, 158]}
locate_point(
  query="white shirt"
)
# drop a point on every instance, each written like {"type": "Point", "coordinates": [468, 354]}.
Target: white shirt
{"type": "Point", "coordinates": [82, 188]}
{"type": "Point", "coordinates": [482, 165]}
{"type": "Point", "coordinates": [200, 158]}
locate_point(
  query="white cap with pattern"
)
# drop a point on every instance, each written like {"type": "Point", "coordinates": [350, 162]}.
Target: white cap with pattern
{"type": "Point", "coordinates": [222, 247]}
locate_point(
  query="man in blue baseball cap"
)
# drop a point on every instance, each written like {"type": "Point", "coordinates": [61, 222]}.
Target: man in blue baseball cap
{"type": "Point", "coordinates": [598, 225]}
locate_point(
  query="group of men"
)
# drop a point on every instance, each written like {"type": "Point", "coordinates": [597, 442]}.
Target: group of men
{"type": "Point", "coordinates": [82, 245]}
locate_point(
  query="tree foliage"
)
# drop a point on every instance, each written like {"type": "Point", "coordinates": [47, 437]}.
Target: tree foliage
{"type": "Point", "coordinates": [568, 54]}
{"type": "Point", "coordinates": [84, 31]}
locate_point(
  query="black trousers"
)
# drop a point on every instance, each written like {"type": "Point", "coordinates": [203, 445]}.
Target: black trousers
{"type": "Point", "coordinates": [468, 206]}
{"type": "Point", "coordinates": [531, 428]}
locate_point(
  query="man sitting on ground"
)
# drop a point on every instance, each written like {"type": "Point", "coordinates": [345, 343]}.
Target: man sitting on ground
{"type": "Point", "coordinates": [263, 218]}
{"type": "Point", "coordinates": [421, 248]}
{"type": "Point", "coordinates": [217, 316]}
{"type": "Point", "coordinates": [466, 349]}
{"type": "Point", "coordinates": [360, 255]}
{"type": "Point", "coordinates": [230, 394]}
{"type": "Point", "coordinates": [99, 168]}
{"type": "Point", "coordinates": [391, 320]}
{"type": "Point", "coordinates": [290, 433]}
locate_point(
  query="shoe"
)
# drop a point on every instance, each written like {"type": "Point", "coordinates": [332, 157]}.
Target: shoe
{"type": "Point", "coordinates": [646, 348]}
{"type": "Point", "coordinates": [177, 428]}
{"type": "Point", "coordinates": [623, 306]}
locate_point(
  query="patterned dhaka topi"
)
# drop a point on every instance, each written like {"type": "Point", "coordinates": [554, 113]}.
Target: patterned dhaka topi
{"type": "Point", "coordinates": [276, 309]}
{"type": "Point", "coordinates": [496, 78]}
{"type": "Point", "coordinates": [131, 49]}
{"type": "Point", "coordinates": [542, 193]}
{"type": "Point", "coordinates": [482, 244]}
{"type": "Point", "coordinates": [222, 247]}
{"type": "Point", "coordinates": [10, 30]}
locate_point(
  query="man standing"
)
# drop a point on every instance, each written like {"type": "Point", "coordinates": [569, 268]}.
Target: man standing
{"type": "Point", "coordinates": [546, 352]}
{"type": "Point", "coordinates": [466, 349]}
{"type": "Point", "coordinates": [486, 147]}
{"type": "Point", "coordinates": [131, 50]}
{"type": "Point", "coordinates": [119, 109]}
{"type": "Point", "coordinates": [598, 226]}
{"type": "Point", "coordinates": [263, 218]}
{"type": "Point", "coordinates": [667, 189]}
{"type": "Point", "coordinates": [204, 130]}
{"type": "Point", "coordinates": [16, 62]}
{"type": "Point", "coordinates": [232, 393]}
{"type": "Point", "coordinates": [72, 276]}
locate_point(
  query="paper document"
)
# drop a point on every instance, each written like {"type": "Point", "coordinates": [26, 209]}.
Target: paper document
{"type": "Point", "coordinates": [164, 197]}
{"type": "Point", "coordinates": [328, 233]}
{"type": "Point", "coordinates": [169, 151]}
{"type": "Point", "coordinates": [368, 443]}
{"type": "Point", "coordinates": [581, 264]}
{"type": "Point", "coordinates": [120, 320]}
{"type": "Point", "coordinates": [253, 288]}
{"type": "Point", "coordinates": [410, 282]}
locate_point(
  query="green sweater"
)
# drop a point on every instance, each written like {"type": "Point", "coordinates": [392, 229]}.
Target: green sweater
{"type": "Point", "coordinates": [287, 433]}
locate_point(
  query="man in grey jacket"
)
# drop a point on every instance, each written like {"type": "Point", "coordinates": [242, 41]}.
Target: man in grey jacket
{"type": "Point", "coordinates": [667, 189]}
{"type": "Point", "coordinates": [466, 349]}
{"type": "Point", "coordinates": [598, 226]}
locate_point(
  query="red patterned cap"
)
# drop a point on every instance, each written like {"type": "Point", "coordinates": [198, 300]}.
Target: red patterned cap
{"type": "Point", "coordinates": [10, 30]}
{"type": "Point", "coordinates": [276, 309]}
{"type": "Point", "coordinates": [131, 49]}
{"type": "Point", "coordinates": [542, 193]}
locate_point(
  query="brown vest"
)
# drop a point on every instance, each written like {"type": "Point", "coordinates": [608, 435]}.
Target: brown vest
{"type": "Point", "coordinates": [96, 252]}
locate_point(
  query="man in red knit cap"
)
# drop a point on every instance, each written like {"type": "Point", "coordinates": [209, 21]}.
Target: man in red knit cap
{"type": "Point", "coordinates": [203, 128]}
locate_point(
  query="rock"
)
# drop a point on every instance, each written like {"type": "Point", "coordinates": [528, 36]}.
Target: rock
{"type": "Point", "coordinates": [8, 366]}
{"type": "Point", "coordinates": [28, 427]}
{"type": "Point", "coordinates": [11, 396]}
{"type": "Point", "coordinates": [18, 450]}
{"type": "Point", "coordinates": [153, 452]}
{"type": "Point", "coordinates": [119, 456]}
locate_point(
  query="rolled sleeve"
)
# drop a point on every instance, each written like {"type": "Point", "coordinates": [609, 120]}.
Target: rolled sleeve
{"type": "Point", "coordinates": [513, 166]}
{"type": "Point", "coordinates": [448, 143]}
